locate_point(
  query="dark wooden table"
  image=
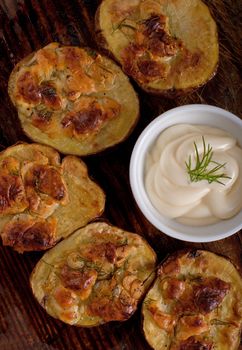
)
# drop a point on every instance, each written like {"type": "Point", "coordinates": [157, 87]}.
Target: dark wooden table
{"type": "Point", "coordinates": [26, 25]}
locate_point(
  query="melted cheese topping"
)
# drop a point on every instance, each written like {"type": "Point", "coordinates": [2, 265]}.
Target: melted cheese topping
{"type": "Point", "coordinates": [195, 305]}
{"type": "Point", "coordinates": [191, 326]}
{"type": "Point", "coordinates": [163, 45]}
{"type": "Point", "coordinates": [147, 57]}
{"type": "Point", "coordinates": [26, 233]}
{"type": "Point", "coordinates": [52, 89]}
{"type": "Point", "coordinates": [31, 192]}
{"type": "Point", "coordinates": [12, 194]}
{"type": "Point", "coordinates": [97, 281]}
{"type": "Point", "coordinates": [101, 269]}
{"type": "Point", "coordinates": [168, 184]}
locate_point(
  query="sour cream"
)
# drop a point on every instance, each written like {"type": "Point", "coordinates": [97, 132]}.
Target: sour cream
{"type": "Point", "coordinates": [168, 183]}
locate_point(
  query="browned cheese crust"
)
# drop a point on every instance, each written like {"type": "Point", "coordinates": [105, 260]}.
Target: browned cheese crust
{"type": "Point", "coordinates": [68, 97]}
{"type": "Point", "coordinates": [97, 275]}
{"type": "Point", "coordinates": [195, 304]}
{"type": "Point", "coordinates": [168, 47]}
{"type": "Point", "coordinates": [39, 194]}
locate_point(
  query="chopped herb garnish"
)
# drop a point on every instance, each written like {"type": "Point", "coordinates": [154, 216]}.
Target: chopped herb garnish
{"type": "Point", "coordinates": [92, 52]}
{"type": "Point", "coordinates": [202, 171]}
{"type": "Point", "coordinates": [122, 25]}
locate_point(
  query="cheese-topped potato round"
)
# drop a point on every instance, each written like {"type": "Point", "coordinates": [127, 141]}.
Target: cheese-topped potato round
{"type": "Point", "coordinates": [73, 99]}
{"type": "Point", "coordinates": [97, 275]}
{"type": "Point", "coordinates": [43, 199]}
{"type": "Point", "coordinates": [168, 47]}
{"type": "Point", "coordinates": [194, 304]}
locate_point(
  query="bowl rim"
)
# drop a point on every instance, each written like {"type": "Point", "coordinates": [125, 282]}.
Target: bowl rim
{"type": "Point", "coordinates": [141, 146]}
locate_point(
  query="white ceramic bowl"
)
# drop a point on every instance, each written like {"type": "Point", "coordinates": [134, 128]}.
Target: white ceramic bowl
{"type": "Point", "coordinates": [191, 114]}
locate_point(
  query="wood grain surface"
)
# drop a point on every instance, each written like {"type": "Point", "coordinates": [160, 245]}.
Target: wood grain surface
{"type": "Point", "coordinates": [25, 26]}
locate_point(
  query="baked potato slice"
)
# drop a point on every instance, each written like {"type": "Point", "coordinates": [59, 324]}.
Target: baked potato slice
{"type": "Point", "coordinates": [168, 47]}
{"type": "Point", "coordinates": [195, 303]}
{"type": "Point", "coordinates": [73, 99]}
{"type": "Point", "coordinates": [96, 275]}
{"type": "Point", "coordinates": [44, 199]}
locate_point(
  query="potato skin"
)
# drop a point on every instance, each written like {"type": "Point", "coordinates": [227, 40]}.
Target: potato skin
{"type": "Point", "coordinates": [208, 264]}
{"type": "Point", "coordinates": [15, 70]}
{"type": "Point", "coordinates": [170, 93]}
{"type": "Point", "coordinates": [124, 277]}
{"type": "Point", "coordinates": [58, 196]}
{"type": "Point", "coordinates": [58, 104]}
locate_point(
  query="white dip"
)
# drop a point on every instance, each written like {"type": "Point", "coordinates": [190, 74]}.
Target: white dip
{"type": "Point", "coordinates": [170, 187]}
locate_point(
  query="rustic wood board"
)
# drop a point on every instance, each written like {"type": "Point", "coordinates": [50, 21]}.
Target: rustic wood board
{"type": "Point", "coordinates": [26, 25]}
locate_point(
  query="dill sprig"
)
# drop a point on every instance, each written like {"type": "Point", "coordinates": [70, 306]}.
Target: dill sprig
{"type": "Point", "coordinates": [123, 24]}
{"type": "Point", "coordinates": [201, 171]}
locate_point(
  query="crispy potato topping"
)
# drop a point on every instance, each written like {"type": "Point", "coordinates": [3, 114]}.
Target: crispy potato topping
{"type": "Point", "coordinates": [28, 88]}
{"type": "Point", "coordinates": [194, 301]}
{"type": "Point", "coordinates": [152, 41]}
{"type": "Point", "coordinates": [168, 47]}
{"type": "Point", "coordinates": [201, 295]}
{"type": "Point", "coordinates": [171, 266]}
{"type": "Point", "coordinates": [42, 198]}
{"type": "Point", "coordinates": [56, 84]}
{"type": "Point", "coordinates": [209, 294]}
{"type": "Point", "coordinates": [64, 297]}
{"type": "Point", "coordinates": [73, 99]}
{"type": "Point", "coordinates": [36, 187]}
{"type": "Point", "coordinates": [29, 234]}
{"type": "Point", "coordinates": [156, 38]}
{"type": "Point", "coordinates": [113, 308]}
{"type": "Point", "coordinates": [83, 272]}
{"type": "Point", "coordinates": [81, 282]}
{"type": "Point", "coordinates": [191, 325]}
{"type": "Point", "coordinates": [164, 321]}
{"type": "Point", "coordinates": [48, 180]}
{"type": "Point", "coordinates": [193, 344]}
{"type": "Point", "coordinates": [173, 288]}
{"type": "Point", "coordinates": [133, 286]}
{"type": "Point", "coordinates": [100, 252]}
{"type": "Point", "coordinates": [89, 115]}
{"type": "Point", "coordinates": [49, 95]}
{"type": "Point", "coordinates": [42, 119]}
{"type": "Point", "coordinates": [124, 298]}
{"type": "Point", "coordinates": [12, 195]}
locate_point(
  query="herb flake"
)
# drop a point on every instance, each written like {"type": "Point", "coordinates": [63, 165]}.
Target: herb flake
{"type": "Point", "coordinates": [202, 171]}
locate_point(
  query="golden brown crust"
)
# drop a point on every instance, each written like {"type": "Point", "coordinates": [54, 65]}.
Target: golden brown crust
{"type": "Point", "coordinates": [210, 294]}
{"type": "Point", "coordinates": [100, 252]}
{"type": "Point", "coordinates": [174, 288]}
{"type": "Point", "coordinates": [88, 115]}
{"type": "Point", "coordinates": [194, 303]}
{"type": "Point", "coordinates": [65, 298]}
{"type": "Point", "coordinates": [103, 272]}
{"type": "Point", "coordinates": [12, 196]}
{"type": "Point", "coordinates": [73, 99]}
{"type": "Point", "coordinates": [48, 180]}
{"type": "Point", "coordinates": [42, 199]}
{"type": "Point", "coordinates": [29, 234]}
{"type": "Point", "coordinates": [81, 282]}
{"type": "Point", "coordinates": [193, 344]}
{"type": "Point", "coordinates": [12, 193]}
{"type": "Point", "coordinates": [163, 320]}
{"type": "Point", "coordinates": [156, 48]}
{"type": "Point", "coordinates": [152, 41]}
{"type": "Point", "coordinates": [27, 88]}
{"type": "Point", "coordinates": [119, 310]}
{"type": "Point", "coordinates": [49, 95]}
